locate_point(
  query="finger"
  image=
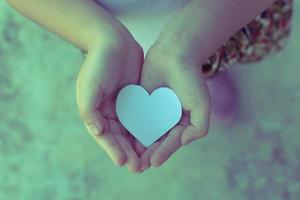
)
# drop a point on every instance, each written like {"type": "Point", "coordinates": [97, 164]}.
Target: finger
{"type": "Point", "coordinates": [133, 161]}
{"type": "Point", "coordinates": [127, 135]}
{"type": "Point", "coordinates": [199, 124]}
{"type": "Point", "coordinates": [145, 158]}
{"type": "Point", "coordinates": [139, 147]}
{"type": "Point", "coordinates": [109, 144]}
{"type": "Point", "coordinates": [167, 147]}
{"type": "Point", "coordinates": [103, 136]}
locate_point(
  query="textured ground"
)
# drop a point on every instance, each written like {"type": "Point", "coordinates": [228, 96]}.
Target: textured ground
{"type": "Point", "coordinates": [45, 152]}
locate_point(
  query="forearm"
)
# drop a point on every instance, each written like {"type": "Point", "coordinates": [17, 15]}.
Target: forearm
{"type": "Point", "coordinates": [202, 26]}
{"type": "Point", "coordinates": [81, 22]}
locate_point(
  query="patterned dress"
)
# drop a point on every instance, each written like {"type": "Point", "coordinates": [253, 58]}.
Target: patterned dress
{"type": "Point", "coordinates": [265, 35]}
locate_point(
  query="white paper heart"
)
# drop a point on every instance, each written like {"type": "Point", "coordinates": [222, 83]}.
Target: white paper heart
{"type": "Point", "coordinates": [148, 117]}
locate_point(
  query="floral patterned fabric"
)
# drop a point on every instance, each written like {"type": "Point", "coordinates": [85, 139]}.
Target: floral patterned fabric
{"type": "Point", "coordinates": [265, 35]}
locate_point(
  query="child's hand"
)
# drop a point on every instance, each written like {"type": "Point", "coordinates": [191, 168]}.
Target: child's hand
{"type": "Point", "coordinates": [163, 67]}
{"type": "Point", "coordinates": [108, 67]}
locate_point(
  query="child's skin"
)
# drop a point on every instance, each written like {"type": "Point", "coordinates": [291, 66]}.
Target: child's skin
{"type": "Point", "coordinates": [114, 59]}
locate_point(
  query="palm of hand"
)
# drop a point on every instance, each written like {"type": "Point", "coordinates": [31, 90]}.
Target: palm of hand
{"type": "Point", "coordinates": [107, 70]}
{"type": "Point", "coordinates": [164, 70]}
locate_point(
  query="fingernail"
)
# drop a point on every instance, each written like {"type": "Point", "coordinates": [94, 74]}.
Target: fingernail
{"type": "Point", "coordinates": [121, 161]}
{"type": "Point", "coordinates": [139, 171]}
{"type": "Point", "coordinates": [187, 142]}
{"type": "Point", "coordinates": [144, 167]}
{"type": "Point", "coordinates": [95, 130]}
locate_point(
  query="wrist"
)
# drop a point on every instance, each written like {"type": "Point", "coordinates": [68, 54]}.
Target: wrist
{"type": "Point", "coordinates": [167, 59]}
{"type": "Point", "coordinates": [112, 39]}
{"type": "Point", "coordinates": [172, 52]}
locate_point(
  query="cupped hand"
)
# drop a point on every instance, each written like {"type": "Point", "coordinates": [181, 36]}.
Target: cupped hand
{"type": "Point", "coordinates": [165, 67]}
{"type": "Point", "coordinates": [109, 65]}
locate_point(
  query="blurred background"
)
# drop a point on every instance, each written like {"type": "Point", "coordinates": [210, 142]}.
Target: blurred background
{"type": "Point", "coordinates": [46, 153]}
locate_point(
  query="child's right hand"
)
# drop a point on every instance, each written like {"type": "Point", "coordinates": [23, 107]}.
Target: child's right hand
{"type": "Point", "coordinates": [109, 66]}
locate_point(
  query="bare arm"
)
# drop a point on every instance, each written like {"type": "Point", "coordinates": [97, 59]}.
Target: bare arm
{"type": "Point", "coordinates": [204, 25]}
{"type": "Point", "coordinates": [81, 22]}
{"type": "Point", "coordinates": [113, 60]}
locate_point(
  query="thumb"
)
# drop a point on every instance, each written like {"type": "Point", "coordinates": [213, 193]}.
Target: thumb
{"type": "Point", "coordinates": [94, 122]}
{"type": "Point", "coordinates": [198, 127]}
{"type": "Point", "coordinates": [89, 91]}
{"type": "Point", "coordinates": [198, 103]}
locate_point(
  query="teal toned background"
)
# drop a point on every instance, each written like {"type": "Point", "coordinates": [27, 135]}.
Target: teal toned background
{"type": "Point", "coordinates": [46, 153]}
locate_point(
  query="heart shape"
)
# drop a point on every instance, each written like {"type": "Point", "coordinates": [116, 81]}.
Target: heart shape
{"type": "Point", "coordinates": [148, 117]}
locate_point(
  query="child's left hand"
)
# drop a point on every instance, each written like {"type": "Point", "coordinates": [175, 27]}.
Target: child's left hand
{"type": "Point", "coordinates": [163, 67]}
